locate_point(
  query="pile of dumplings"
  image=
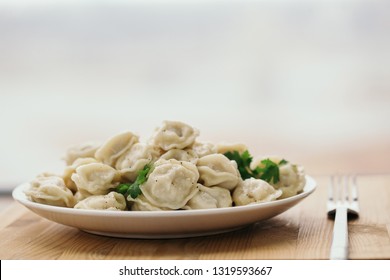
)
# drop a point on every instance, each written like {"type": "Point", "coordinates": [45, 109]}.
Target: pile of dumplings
{"type": "Point", "coordinates": [187, 174]}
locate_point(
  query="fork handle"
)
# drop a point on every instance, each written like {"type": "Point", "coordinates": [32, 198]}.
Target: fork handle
{"type": "Point", "coordinates": [339, 249]}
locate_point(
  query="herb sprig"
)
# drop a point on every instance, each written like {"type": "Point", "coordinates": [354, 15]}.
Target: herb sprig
{"type": "Point", "coordinates": [267, 171]}
{"type": "Point", "coordinates": [133, 189]}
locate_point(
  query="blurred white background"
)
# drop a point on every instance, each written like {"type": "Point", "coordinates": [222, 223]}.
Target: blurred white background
{"type": "Point", "coordinates": [308, 80]}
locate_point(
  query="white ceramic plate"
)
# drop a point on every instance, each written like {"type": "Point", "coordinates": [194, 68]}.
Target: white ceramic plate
{"type": "Point", "coordinates": [162, 224]}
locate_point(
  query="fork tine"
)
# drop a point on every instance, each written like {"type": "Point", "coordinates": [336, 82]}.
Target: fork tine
{"type": "Point", "coordinates": [354, 191]}
{"type": "Point", "coordinates": [340, 189]}
{"type": "Point", "coordinates": [346, 186]}
{"type": "Point", "coordinates": [354, 202]}
{"type": "Point", "coordinates": [331, 204]}
{"type": "Point", "coordinates": [331, 189]}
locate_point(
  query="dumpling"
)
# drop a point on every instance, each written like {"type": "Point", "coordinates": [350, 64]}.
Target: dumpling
{"type": "Point", "coordinates": [80, 151]}
{"type": "Point", "coordinates": [254, 191]}
{"type": "Point", "coordinates": [181, 155]}
{"type": "Point", "coordinates": [223, 148]}
{"type": "Point", "coordinates": [292, 179]}
{"type": "Point", "coordinates": [110, 201]}
{"type": "Point", "coordinates": [110, 151]}
{"type": "Point", "coordinates": [135, 159]}
{"type": "Point", "coordinates": [171, 183]}
{"type": "Point", "coordinates": [206, 198]}
{"type": "Point", "coordinates": [218, 170]}
{"type": "Point", "coordinates": [69, 170]}
{"type": "Point", "coordinates": [79, 197]}
{"type": "Point", "coordinates": [174, 135]}
{"type": "Point", "coordinates": [142, 204]}
{"type": "Point", "coordinates": [95, 178]}
{"type": "Point", "coordinates": [50, 190]}
{"type": "Point", "coordinates": [204, 148]}
{"type": "Point", "coordinates": [292, 176]}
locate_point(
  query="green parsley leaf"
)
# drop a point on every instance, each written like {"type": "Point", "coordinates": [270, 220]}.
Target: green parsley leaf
{"type": "Point", "coordinates": [122, 188]}
{"type": "Point", "coordinates": [134, 189]}
{"type": "Point", "coordinates": [283, 161]}
{"type": "Point", "coordinates": [243, 162]}
{"type": "Point", "coordinates": [268, 172]}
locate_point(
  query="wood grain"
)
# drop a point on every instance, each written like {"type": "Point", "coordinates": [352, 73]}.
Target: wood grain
{"type": "Point", "coordinates": [303, 232]}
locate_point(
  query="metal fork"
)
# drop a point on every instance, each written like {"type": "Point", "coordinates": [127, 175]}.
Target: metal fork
{"type": "Point", "coordinates": [342, 205]}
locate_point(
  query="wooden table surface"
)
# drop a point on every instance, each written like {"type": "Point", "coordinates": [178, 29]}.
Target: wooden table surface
{"type": "Point", "coordinates": [303, 232]}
